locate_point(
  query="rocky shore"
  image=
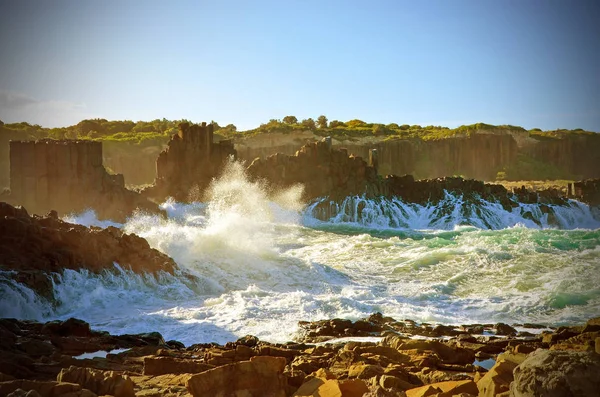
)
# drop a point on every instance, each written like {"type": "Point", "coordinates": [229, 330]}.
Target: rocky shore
{"type": "Point", "coordinates": [383, 357]}
{"type": "Point", "coordinates": [34, 247]}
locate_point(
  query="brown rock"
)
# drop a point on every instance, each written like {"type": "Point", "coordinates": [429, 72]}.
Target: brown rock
{"type": "Point", "coordinates": [43, 389]}
{"type": "Point", "coordinates": [548, 373]}
{"type": "Point", "coordinates": [100, 382]}
{"type": "Point", "coordinates": [262, 376]}
{"type": "Point", "coordinates": [353, 387]}
{"type": "Point", "coordinates": [497, 379]}
{"type": "Point", "coordinates": [447, 354]}
{"type": "Point", "coordinates": [393, 382]}
{"type": "Point", "coordinates": [423, 391]}
{"type": "Point", "coordinates": [364, 371]}
{"type": "Point", "coordinates": [318, 387]}
{"type": "Point", "coordinates": [504, 329]}
{"type": "Point", "coordinates": [172, 365]}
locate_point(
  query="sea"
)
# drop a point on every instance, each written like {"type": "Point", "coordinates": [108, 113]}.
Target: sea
{"type": "Point", "coordinates": [256, 261]}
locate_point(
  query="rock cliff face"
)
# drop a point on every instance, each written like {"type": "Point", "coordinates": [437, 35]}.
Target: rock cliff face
{"type": "Point", "coordinates": [33, 247]}
{"type": "Point", "coordinates": [189, 163]}
{"type": "Point", "coordinates": [322, 170]}
{"type": "Point", "coordinates": [578, 155]}
{"type": "Point", "coordinates": [136, 162]}
{"type": "Point", "coordinates": [480, 155]}
{"type": "Point", "coordinates": [328, 172]}
{"type": "Point", "coordinates": [68, 176]}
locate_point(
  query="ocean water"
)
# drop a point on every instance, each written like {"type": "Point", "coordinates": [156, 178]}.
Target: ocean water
{"type": "Point", "coordinates": [253, 262]}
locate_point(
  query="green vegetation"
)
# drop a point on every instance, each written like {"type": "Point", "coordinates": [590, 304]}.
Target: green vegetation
{"type": "Point", "coordinates": [158, 132]}
{"type": "Point", "coordinates": [526, 166]}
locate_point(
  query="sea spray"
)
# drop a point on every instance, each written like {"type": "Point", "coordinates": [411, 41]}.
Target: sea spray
{"type": "Point", "coordinates": [453, 210]}
{"type": "Point", "coordinates": [252, 262]}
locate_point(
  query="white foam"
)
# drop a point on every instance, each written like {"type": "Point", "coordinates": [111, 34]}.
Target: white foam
{"type": "Point", "coordinates": [252, 262]}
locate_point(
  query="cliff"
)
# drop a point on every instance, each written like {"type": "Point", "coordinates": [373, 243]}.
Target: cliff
{"type": "Point", "coordinates": [480, 154]}
{"type": "Point", "coordinates": [68, 176]}
{"type": "Point", "coordinates": [189, 163]}
{"type": "Point", "coordinates": [325, 171]}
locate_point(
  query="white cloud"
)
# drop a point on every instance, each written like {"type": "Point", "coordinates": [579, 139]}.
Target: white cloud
{"type": "Point", "coordinates": [16, 107]}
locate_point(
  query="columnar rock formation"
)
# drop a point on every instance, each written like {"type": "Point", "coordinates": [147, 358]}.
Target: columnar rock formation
{"type": "Point", "coordinates": [332, 173]}
{"type": "Point", "coordinates": [189, 163]}
{"type": "Point", "coordinates": [479, 155]}
{"type": "Point", "coordinates": [68, 176]}
{"type": "Point", "coordinates": [322, 170]}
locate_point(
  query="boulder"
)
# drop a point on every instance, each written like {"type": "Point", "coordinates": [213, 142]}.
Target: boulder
{"type": "Point", "coordinates": [261, 376]}
{"type": "Point", "coordinates": [100, 382]}
{"type": "Point", "coordinates": [555, 373]}
{"type": "Point", "coordinates": [444, 389]}
{"type": "Point", "coordinates": [497, 379]}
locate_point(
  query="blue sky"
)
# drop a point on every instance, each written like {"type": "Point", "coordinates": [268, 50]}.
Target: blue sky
{"type": "Point", "coordinates": [529, 63]}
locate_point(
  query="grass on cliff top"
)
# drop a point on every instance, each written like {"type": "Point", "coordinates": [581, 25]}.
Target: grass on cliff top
{"type": "Point", "coordinates": [357, 129]}
{"type": "Point", "coordinates": [158, 132]}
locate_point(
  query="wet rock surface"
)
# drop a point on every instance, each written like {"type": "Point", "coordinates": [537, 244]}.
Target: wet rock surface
{"type": "Point", "coordinates": [390, 358]}
{"type": "Point", "coordinates": [34, 247]}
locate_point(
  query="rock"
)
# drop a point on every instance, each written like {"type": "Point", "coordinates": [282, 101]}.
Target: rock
{"type": "Point", "coordinates": [497, 379]}
{"type": "Point", "coordinates": [68, 176]}
{"type": "Point", "coordinates": [447, 354]}
{"type": "Point", "coordinates": [189, 163]}
{"type": "Point", "coordinates": [364, 371]}
{"type": "Point", "coordinates": [23, 393]}
{"type": "Point", "coordinates": [70, 327]}
{"type": "Point", "coordinates": [423, 391]}
{"type": "Point", "coordinates": [516, 358]}
{"type": "Point", "coordinates": [444, 389]}
{"type": "Point", "coordinates": [47, 245]}
{"type": "Point", "coordinates": [36, 347]}
{"type": "Point", "coordinates": [248, 340]}
{"type": "Point", "coordinates": [99, 382]}
{"type": "Point", "coordinates": [317, 387]}
{"type": "Point", "coordinates": [39, 388]}
{"type": "Point", "coordinates": [171, 365]}
{"type": "Point", "coordinates": [353, 387]}
{"type": "Point", "coordinates": [393, 382]}
{"type": "Point", "coordinates": [504, 329]}
{"type": "Point", "coordinates": [262, 376]}
{"type": "Point", "coordinates": [557, 373]}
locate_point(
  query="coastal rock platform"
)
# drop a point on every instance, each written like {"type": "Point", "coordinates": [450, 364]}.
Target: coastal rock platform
{"type": "Point", "coordinates": [391, 358]}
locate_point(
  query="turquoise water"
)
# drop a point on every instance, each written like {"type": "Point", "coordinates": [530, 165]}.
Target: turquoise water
{"type": "Point", "coordinates": [257, 263]}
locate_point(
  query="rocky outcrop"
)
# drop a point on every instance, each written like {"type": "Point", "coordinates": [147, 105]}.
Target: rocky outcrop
{"type": "Point", "coordinates": [442, 362]}
{"type": "Point", "coordinates": [33, 247]}
{"type": "Point", "coordinates": [557, 373]}
{"type": "Point", "coordinates": [189, 163]}
{"type": "Point", "coordinates": [322, 171]}
{"type": "Point", "coordinates": [68, 176]}
{"type": "Point", "coordinates": [328, 172]}
{"type": "Point", "coordinates": [587, 191]}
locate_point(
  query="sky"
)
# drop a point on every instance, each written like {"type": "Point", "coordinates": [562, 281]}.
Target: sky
{"type": "Point", "coordinates": [531, 63]}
